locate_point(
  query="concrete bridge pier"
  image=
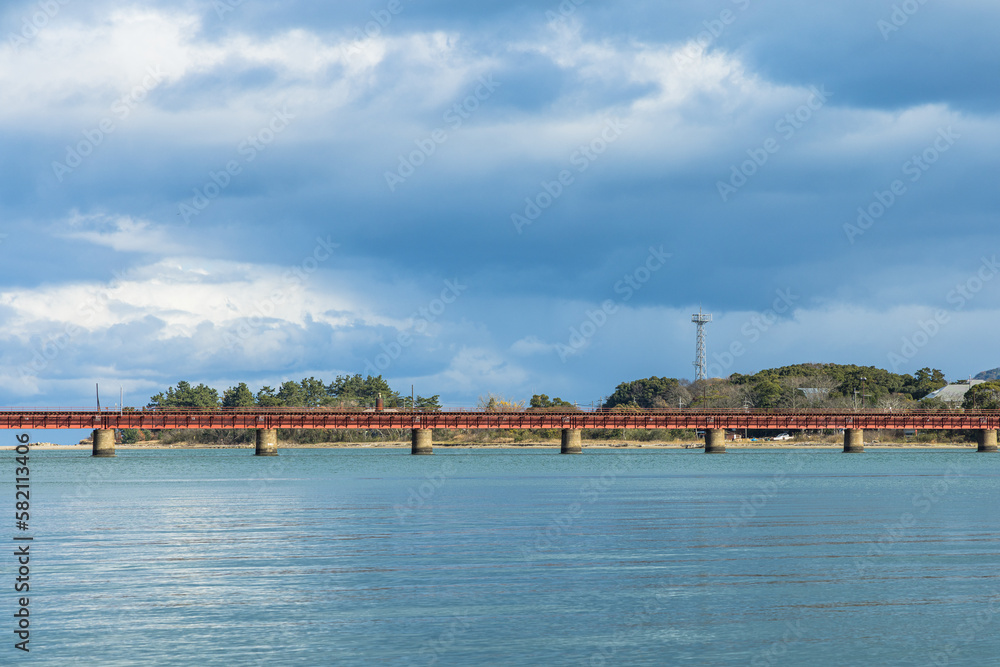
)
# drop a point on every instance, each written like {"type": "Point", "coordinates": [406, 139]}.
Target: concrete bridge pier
{"type": "Point", "coordinates": [572, 443]}
{"type": "Point", "coordinates": [104, 442]}
{"type": "Point", "coordinates": [267, 442]}
{"type": "Point", "coordinates": [854, 440]}
{"type": "Point", "coordinates": [422, 441]}
{"type": "Point", "coordinates": [715, 441]}
{"type": "Point", "coordinates": [987, 441]}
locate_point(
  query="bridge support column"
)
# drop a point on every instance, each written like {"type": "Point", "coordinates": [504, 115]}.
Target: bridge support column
{"type": "Point", "coordinates": [104, 442]}
{"type": "Point", "coordinates": [267, 442]}
{"type": "Point", "coordinates": [854, 440]}
{"type": "Point", "coordinates": [715, 441]}
{"type": "Point", "coordinates": [422, 441]}
{"type": "Point", "coordinates": [987, 441]}
{"type": "Point", "coordinates": [572, 443]}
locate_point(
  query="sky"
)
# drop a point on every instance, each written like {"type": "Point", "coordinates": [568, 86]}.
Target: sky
{"type": "Point", "coordinates": [506, 197]}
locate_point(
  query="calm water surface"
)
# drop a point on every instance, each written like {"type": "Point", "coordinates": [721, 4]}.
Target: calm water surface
{"type": "Point", "coordinates": [639, 557]}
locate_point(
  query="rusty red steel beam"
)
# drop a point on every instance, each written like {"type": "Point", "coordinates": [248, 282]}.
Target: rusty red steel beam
{"type": "Point", "coordinates": [293, 418]}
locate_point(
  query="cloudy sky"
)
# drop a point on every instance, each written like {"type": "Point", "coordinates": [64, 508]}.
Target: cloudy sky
{"type": "Point", "coordinates": [516, 197]}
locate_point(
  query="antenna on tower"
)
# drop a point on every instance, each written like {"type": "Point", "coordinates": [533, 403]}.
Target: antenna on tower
{"type": "Point", "coordinates": [701, 319]}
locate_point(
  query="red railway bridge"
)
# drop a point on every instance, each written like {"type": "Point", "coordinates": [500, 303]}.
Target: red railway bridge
{"type": "Point", "coordinates": [266, 422]}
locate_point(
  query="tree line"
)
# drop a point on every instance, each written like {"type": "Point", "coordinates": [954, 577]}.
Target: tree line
{"type": "Point", "coordinates": [985, 396]}
{"type": "Point", "coordinates": [345, 391]}
{"type": "Point", "coordinates": [817, 386]}
{"type": "Point", "coordinates": [813, 386]}
{"type": "Point", "coordinates": [822, 386]}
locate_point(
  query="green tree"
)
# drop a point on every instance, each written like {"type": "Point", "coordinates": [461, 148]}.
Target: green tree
{"type": "Point", "coordinates": [765, 393]}
{"type": "Point", "coordinates": [871, 385]}
{"type": "Point", "coordinates": [713, 393]}
{"type": "Point", "coordinates": [313, 392]}
{"type": "Point", "coordinates": [238, 397]}
{"type": "Point", "coordinates": [363, 390]}
{"type": "Point", "coordinates": [644, 393]}
{"type": "Point", "coordinates": [983, 396]}
{"type": "Point", "coordinates": [290, 394]}
{"type": "Point", "coordinates": [131, 435]}
{"type": "Point", "coordinates": [186, 396]}
{"type": "Point", "coordinates": [266, 398]}
{"type": "Point", "coordinates": [542, 401]}
{"type": "Point", "coordinates": [425, 403]}
{"type": "Point", "coordinates": [924, 382]}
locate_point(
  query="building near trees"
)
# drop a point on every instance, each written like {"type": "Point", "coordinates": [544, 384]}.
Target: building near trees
{"type": "Point", "coordinates": [953, 394]}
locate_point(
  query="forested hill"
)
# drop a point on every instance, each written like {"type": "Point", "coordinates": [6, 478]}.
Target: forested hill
{"type": "Point", "coordinates": [834, 386]}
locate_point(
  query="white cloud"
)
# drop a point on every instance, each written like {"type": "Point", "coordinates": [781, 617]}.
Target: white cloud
{"type": "Point", "coordinates": [72, 73]}
{"type": "Point", "coordinates": [479, 369]}
{"type": "Point", "coordinates": [121, 233]}
{"type": "Point", "coordinates": [183, 293]}
{"type": "Point", "coordinates": [530, 345]}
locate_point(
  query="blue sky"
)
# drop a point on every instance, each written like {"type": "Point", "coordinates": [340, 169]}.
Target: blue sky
{"type": "Point", "coordinates": [503, 197]}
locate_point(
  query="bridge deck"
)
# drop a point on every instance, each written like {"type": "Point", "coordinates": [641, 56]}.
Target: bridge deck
{"type": "Point", "coordinates": [320, 418]}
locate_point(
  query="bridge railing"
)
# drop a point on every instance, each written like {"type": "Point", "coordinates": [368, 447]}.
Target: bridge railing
{"type": "Point", "coordinates": [279, 410]}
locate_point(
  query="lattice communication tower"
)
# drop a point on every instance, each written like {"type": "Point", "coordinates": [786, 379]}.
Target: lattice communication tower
{"type": "Point", "coordinates": [701, 319]}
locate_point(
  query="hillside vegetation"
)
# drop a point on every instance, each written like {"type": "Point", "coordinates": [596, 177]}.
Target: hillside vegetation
{"type": "Point", "coordinates": [814, 386]}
